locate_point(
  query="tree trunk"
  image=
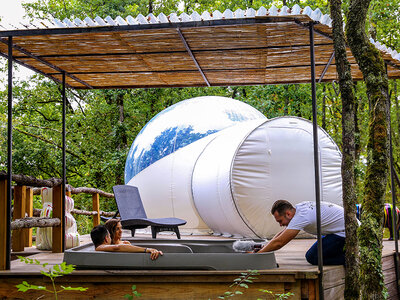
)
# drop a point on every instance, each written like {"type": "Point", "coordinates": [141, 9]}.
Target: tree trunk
{"type": "Point", "coordinates": [31, 181]}
{"type": "Point", "coordinates": [370, 232]}
{"type": "Point", "coordinates": [121, 139]}
{"type": "Point", "coordinates": [286, 100]}
{"type": "Point", "coordinates": [352, 286]}
{"type": "Point", "coordinates": [395, 137]}
{"type": "Point", "coordinates": [92, 213]}
{"type": "Point", "coordinates": [37, 211]}
{"type": "Point", "coordinates": [88, 190]}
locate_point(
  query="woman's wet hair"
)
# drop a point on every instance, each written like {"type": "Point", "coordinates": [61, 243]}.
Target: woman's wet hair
{"type": "Point", "coordinates": [111, 226]}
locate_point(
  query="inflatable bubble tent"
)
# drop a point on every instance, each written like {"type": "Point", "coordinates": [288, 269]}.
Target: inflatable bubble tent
{"type": "Point", "coordinates": [182, 124]}
{"type": "Point", "coordinates": [220, 164]}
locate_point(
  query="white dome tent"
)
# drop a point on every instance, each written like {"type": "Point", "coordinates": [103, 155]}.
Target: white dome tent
{"type": "Point", "coordinates": [228, 180]}
{"type": "Point", "coordinates": [165, 185]}
{"type": "Point", "coordinates": [244, 170]}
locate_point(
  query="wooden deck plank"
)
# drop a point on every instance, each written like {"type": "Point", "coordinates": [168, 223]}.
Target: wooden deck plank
{"type": "Point", "coordinates": [290, 258]}
{"type": "Point", "coordinates": [294, 274]}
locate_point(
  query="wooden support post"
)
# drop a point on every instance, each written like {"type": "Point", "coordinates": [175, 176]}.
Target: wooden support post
{"type": "Point", "coordinates": [3, 224]}
{"type": "Point", "coordinates": [96, 207]}
{"type": "Point", "coordinates": [18, 238]}
{"type": "Point", "coordinates": [29, 213]}
{"type": "Point", "coordinates": [57, 213]}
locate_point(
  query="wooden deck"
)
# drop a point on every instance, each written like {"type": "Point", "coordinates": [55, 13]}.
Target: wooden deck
{"type": "Point", "coordinates": [294, 274]}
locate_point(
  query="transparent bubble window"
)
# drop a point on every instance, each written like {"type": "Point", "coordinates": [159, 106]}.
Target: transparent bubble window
{"type": "Point", "coordinates": [182, 124]}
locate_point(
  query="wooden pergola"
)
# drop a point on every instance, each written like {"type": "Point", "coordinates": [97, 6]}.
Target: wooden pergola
{"type": "Point", "coordinates": [241, 48]}
{"type": "Point", "coordinates": [258, 48]}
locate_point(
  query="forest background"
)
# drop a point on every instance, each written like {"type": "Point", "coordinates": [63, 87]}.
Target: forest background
{"type": "Point", "coordinates": [102, 124]}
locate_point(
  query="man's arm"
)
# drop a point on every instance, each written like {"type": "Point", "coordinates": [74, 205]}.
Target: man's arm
{"type": "Point", "coordinates": [280, 240]}
{"type": "Point", "coordinates": [278, 234]}
{"type": "Point", "coordinates": [108, 248]}
{"type": "Point", "coordinates": [120, 248]}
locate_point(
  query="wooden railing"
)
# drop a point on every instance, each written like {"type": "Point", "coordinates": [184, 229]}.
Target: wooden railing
{"type": "Point", "coordinates": [23, 219]}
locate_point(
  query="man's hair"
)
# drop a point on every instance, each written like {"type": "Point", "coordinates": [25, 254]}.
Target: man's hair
{"type": "Point", "coordinates": [98, 235]}
{"type": "Point", "coordinates": [281, 206]}
{"type": "Point", "coordinates": [111, 225]}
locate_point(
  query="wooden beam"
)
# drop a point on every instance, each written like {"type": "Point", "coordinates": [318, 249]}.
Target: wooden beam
{"type": "Point", "coordinates": [29, 213]}
{"type": "Point", "coordinates": [31, 68]}
{"type": "Point", "coordinates": [3, 224]}
{"type": "Point", "coordinates": [96, 207]}
{"type": "Point", "coordinates": [18, 238]}
{"type": "Point", "coordinates": [192, 56]}
{"type": "Point", "coordinates": [57, 213]}
{"type": "Point", "coordinates": [35, 222]}
{"type": "Point", "coordinates": [326, 67]}
{"type": "Point", "coordinates": [24, 51]}
{"type": "Point", "coordinates": [152, 26]}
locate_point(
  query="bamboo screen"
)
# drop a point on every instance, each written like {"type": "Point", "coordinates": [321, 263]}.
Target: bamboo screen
{"type": "Point", "coordinates": [270, 51]}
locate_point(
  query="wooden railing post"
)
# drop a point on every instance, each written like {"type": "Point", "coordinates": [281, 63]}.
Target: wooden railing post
{"type": "Point", "coordinates": [29, 213]}
{"type": "Point", "coordinates": [96, 207]}
{"type": "Point", "coordinates": [57, 213]}
{"type": "Point", "coordinates": [3, 224]}
{"type": "Point", "coordinates": [18, 238]}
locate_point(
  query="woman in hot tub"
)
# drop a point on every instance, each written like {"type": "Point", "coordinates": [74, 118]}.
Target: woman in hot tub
{"type": "Point", "coordinates": [114, 227]}
{"type": "Point", "coordinates": [102, 242]}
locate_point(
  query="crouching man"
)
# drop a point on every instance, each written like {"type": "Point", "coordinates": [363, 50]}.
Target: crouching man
{"type": "Point", "coordinates": [303, 217]}
{"type": "Point", "coordinates": [102, 242]}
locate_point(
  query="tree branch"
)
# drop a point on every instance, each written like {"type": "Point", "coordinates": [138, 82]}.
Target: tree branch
{"type": "Point", "coordinates": [31, 181]}
{"type": "Point", "coordinates": [48, 142]}
{"type": "Point", "coordinates": [35, 222]}
{"type": "Point", "coordinates": [44, 117]}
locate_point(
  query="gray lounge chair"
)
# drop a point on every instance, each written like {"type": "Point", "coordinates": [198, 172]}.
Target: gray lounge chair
{"type": "Point", "coordinates": [134, 217]}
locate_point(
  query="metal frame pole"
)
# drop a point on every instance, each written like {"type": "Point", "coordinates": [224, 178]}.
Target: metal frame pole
{"type": "Point", "coordinates": [64, 173]}
{"type": "Point", "coordinates": [316, 161]}
{"type": "Point", "coordinates": [9, 151]}
{"type": "Point", "coordinates": [393, 190]}
{"type": "Point", "coordinates": [394, 211]}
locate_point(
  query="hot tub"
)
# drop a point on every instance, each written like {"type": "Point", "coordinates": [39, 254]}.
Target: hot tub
{"type": "Point", "coordinates": [178, 255]}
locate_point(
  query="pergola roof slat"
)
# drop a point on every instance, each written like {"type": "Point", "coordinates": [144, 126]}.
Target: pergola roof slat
{"type": "Point", "coordinates": [267, 46]}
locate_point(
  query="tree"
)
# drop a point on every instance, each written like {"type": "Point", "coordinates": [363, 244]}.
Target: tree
{"type": "Point", "coordinates": [101, 125]}
{"type": "Point", "coordinates": [352, 287]}
{"type": "Point", "coordinates": [370, 233]}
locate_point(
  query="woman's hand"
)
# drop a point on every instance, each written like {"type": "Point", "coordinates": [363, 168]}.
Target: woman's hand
{"type": "Point", "coordinates": [154, 253]}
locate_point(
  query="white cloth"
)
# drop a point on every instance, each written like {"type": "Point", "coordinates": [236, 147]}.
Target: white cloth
{"type": "Point", "coordinates": [332, 218]}
{"type": "Point", "coordinates": [44, 236]}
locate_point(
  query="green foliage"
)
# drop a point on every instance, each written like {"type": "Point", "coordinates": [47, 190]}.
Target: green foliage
{"type": "Point", "coordinates": [277, 296]}
{"type": "Point", "coordinates": [384, 22]}
{"type": "Point", "coordinates": [243, 281]}
{"type": "Point", "coordinates": [135, 293]}
{"type": "Point", "coordinates": [240, 283]}
{"type": "Point", "coordinates": [52, 273]}
{"type": "Point", "coordinates": [101, 125]}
